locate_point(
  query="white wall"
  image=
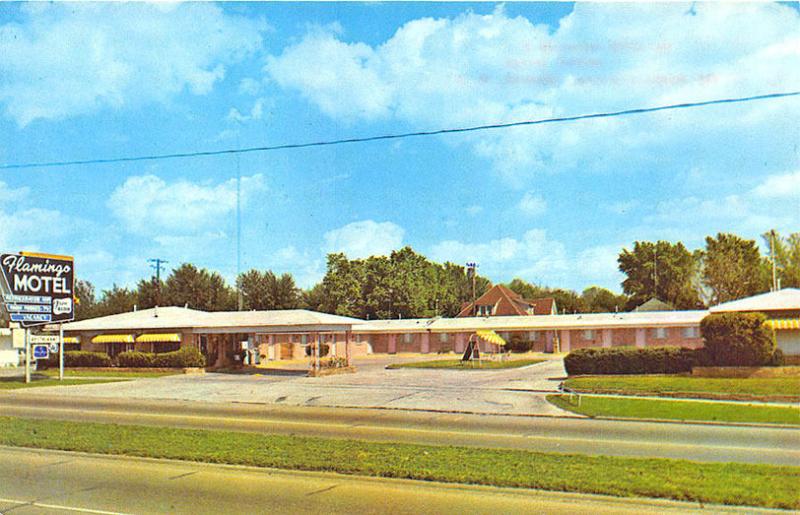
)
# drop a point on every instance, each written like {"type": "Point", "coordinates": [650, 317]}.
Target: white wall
{"type": "Point", "coordinates": [9, 356]}
{"type": "Point", "coordinates": [788, 342]}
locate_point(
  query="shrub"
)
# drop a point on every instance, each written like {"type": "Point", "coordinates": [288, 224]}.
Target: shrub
{"type": "Point", "coordinates": [519, 344]}
{"type": "Point", "coordinates": [338, 362]}
{"type": "Point", "coordinates": [135, 359]}
{"type": "Point", "coordinates": [777, 359]}
{"type": "Point", "coordinates": [631, 360]}
{"type": "Point", "coordinates": [323, 350]}
{"type": "Point", "coordinates": [183, 358]}
{"type": "Point", "coordinates": [80, 358]}
{"type": "Point", "coordinates": [737, 339]}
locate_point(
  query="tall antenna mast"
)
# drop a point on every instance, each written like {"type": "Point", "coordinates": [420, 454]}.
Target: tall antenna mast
{"type": "Point", "coordinates": [772, 254]}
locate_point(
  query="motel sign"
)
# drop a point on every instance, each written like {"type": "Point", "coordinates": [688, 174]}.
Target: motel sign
{"type": "Point", "coordinates": [38, 288]}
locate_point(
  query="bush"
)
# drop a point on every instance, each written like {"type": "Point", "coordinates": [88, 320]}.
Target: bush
{"type": "Point", "coordinates": [737, 339]}
{"type": "Point", "coordinates": [631, 360]}
{"type": "Point", "coordinates": [323, 350]}
{"type": "Point", "coordinates": [135, 359]}
{"type": "Point", "coordinates": [80, 358]}
{"type": "Point", "coordinates": [338, 362]}
{"type": "Point", "coordinates": [519, 344]}
{"type": "Point", "coordinates": [777, 359]}
{"type": "Point", "coordinates": [185, 357]}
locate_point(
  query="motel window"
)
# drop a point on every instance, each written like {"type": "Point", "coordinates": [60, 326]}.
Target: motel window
{"type": "Point", "coordinates": [407, 338]}
{"type": "Point", "coordinates": [443, 337]}
{"type": "Point", "coordinates": [588, 334]}
{"type": "Point", "coordinates": [659, 333]}
{"type": "Point", "coordinates": [533, 335]}
{"type": "Point", "coordinates": [691, 332]}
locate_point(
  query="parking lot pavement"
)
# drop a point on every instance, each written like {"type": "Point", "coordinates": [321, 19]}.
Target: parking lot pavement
{"type": "Point", "coordinates": [509, 391]}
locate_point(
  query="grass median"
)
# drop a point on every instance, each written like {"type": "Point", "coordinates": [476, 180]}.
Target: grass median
{"type": "Point", "coordinates": [749, 388]}
{"type": "Point", "coordinates": [457, 364]}
{"type": "Point", "coordinates": [107, 373]}
{"type": "Point", "coordinates": [16, 383]}
{"type": "Point", "coordinates": [723, 483]}
{"type": "Point", "coordinates": [667, 409]}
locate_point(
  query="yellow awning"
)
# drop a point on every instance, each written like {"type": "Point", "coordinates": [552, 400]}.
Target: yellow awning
{"type": "Point", "coordinates": [491, 337]}
{"type": "Point", "coordinates": [72, 339]}
{"type": "Point", "coordinates": [784, 323]}
{"type": "Point", "coordinates": [159, 338]}
{"type": "Point", "coordinates": [113, 338]}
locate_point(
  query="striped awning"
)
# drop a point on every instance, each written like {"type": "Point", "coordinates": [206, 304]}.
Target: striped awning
{"type": "Point", "coordinates": [491, 337]}
{"type": "Point", "coordinates": [113, 338]}
{"type": "Point", "coordinates": [72, 339]}
{"type": "Point", "coordinates": [784, 323]}
{"type": "Point", "coordinates": [159, 338]}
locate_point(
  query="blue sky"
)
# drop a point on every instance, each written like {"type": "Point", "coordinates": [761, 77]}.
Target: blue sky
{"type": "Point", "coordinates": [552, 204]}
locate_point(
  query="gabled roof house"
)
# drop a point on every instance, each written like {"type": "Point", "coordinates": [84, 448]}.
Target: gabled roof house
{"type": "Point", "coordinates": [502, 301]}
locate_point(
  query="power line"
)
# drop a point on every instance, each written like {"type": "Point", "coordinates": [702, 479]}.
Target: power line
{"type": "Point", "coordinates": [206, 153]}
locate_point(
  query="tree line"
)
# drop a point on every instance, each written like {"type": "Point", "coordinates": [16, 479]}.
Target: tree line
{"type": "Point", "coordinates": [405, 284]}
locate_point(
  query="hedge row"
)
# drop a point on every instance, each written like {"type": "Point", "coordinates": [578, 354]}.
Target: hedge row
{"type": "Point", "coordinates": [632, 360]}
{"type": "Point", "coordinates": [183, 358]}
{"type": "Point", "coordinates": [519, 344]}
{"type": "Point", "coordinates": [77, 358]}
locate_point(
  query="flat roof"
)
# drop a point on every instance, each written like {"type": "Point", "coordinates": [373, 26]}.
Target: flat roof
{"type": "Point", "coordinates": [171, 317]}
{"type": "Point", "coordinates": [787, 299]}
{"type": "Point", "coordinates": [536, 322]}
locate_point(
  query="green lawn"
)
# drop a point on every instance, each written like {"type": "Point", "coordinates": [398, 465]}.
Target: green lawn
{"type": "Point", "coordinates": [457, 364]}
{"type": "Point", "coordinates": [15, 383]}
{"type": "Point", "coordinates": [725, 483]}
{"type": "Point", "coordinates": [750, 388]}
{"type": "Point", "coordinates": [53, 372]}
{"type": "Point", "coordinates": [678, 409]}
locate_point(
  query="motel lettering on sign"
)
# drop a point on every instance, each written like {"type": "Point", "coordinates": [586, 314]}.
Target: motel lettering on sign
{"type": "Point", "coordinates": [38, 288]}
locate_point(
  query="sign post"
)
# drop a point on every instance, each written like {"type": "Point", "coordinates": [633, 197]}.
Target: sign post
{"type": "Point", "coordinates": [27, 357]}
{"type": "Point", "coordinates": [38, 289]}
{"type": "Point", "coordinates": [60, 352]}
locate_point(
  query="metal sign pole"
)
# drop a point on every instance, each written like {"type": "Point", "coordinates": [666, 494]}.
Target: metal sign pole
{"type": "Point", "coordinates": [60, 352]}
{"type": "Point", "coordinates": [27, 356]}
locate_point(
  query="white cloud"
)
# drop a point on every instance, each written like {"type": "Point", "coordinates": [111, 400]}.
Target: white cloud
{"type": "Point", "coordinates": [9, 194]}
{"type": "Point", "coordinates": [63, 60]}
{"type": "Point", "coordinates": [474, 69]}
{"type": "Point", "coordinates": [256, 112]}
{"type": "Point", "coordinates": [532, 205]}
{"type": "Point", "coordinates": [365, 238]}
{"type": "Point", "coordinates": [780, 186]}
{"type": "Point", "coordinates": [148, 205]}
{"type": "Point", "coordinates": [598, 266]}
{"type": "Point", "coordinates": [36, 229]}
{"type": "Point", "coordinates": [533, 257]}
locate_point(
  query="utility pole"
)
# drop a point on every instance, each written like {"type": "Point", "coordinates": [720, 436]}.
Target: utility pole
{"type": "Point", "coordinates": [471, 273]}
{"type": "Point", "coordinates": [655, 272]}
{"type": "Point", "coordinates": [156, 263]}
{"type": "Point", "coordinates": [772, 255]}
{"type": "Point", "coordinates": [239, 297]}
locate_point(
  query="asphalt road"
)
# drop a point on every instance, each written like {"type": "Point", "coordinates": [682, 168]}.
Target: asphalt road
{"type": "Point", "coordinates": [698, 442]}
{"type": "Point", "coordinates": [45, 482]}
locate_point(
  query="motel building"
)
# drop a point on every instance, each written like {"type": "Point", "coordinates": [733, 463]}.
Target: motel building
{"type": "Point", "coordinates": [224, 337]}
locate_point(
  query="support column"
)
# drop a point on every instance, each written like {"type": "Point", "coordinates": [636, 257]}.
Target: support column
{"type": "Point", "coordinates": [425, 345]}
{"type": "Point", "coordinates": [606, 337]}
{"type": "Point", "coordinates": [347, 336]}
{"type": "Point", "coordinates": [548, 346]}
{"type": "Point", "coordinates": [392, 344]}
{"type": "Point", "coordinates": [565, 340]}
{"type": "Point", "coordinates": [461, 344]}
{"type": "Point", "coordinates": [641, 336]}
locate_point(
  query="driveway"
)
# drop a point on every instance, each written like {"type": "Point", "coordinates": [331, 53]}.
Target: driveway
{"type": "Point", "coordinates": [519, 391]}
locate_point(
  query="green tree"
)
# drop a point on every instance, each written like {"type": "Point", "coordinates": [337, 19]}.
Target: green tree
{"type": "Point", "coordinates": [85, 300]}
{"type": "Point", "coordinates": [149, 293]}
{"type": "Point", "coordinates": [737, 339]}
{"type": "Point", "coordinates": [787, 258]}
{"type": "Point", "coordinates": [114, 301]}
{"type": "Point", "coordinates": [601, 300]}
{"type": "Point", "coordinates": [732, 268]}
{"type": "Point", "coordinates": [198, 289]}
{"type": "Point", "coordinates": [313, 298]}
{"type": "Point", "coordinates": [567, 301]}
{"type": "Point", "coordinates": [660, 270]}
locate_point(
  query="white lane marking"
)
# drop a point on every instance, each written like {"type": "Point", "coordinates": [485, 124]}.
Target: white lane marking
{"type": "Point", "coordinates": [59, 507]}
